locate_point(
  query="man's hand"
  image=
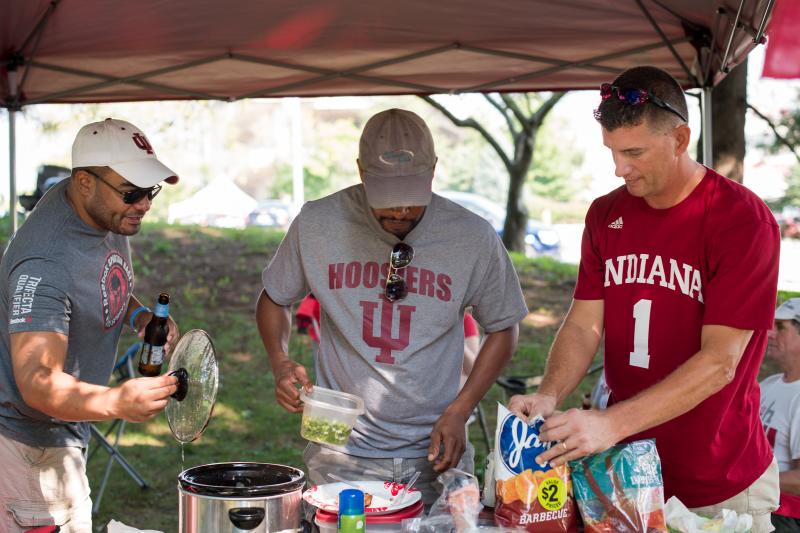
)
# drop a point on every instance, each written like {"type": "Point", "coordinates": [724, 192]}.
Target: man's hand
{"type": "Point", "coordinates": [140, 399]}
{"type": "Point", "coordinates": [172, 332]}
{"type": "Point", "coordinates": [288, 376]}
{"type": "Point", "coordinates": [530, 405]}
{"type": "Point", "coordinates": [580, 432]}
{"type": "Point", "coordinates": [449, 431]}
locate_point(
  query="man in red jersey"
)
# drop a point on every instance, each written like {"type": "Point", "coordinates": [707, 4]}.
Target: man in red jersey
{"type": "Point", "coordinates": [679, 270]}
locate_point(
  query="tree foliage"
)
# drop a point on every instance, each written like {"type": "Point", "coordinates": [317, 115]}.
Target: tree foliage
{"type": "Point", "coordinates": [787, 137]}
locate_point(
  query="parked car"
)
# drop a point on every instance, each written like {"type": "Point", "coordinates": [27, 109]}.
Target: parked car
{"type": "Point", "coordinates": [271, 214]}
{"type": "Point", "coordinates": [540, 238]}
{"type": "Point", "coordinates": [789, 222]}
{"type": "Point", "coordinates": [46, 177]}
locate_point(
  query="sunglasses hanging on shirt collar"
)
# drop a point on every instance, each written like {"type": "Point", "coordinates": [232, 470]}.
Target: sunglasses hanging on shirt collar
{"type": "Point", "coordinates": [399, 258]}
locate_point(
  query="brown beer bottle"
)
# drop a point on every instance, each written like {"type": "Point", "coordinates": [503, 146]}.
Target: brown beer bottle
{"type": "Point", "coordinates": [155, 337]}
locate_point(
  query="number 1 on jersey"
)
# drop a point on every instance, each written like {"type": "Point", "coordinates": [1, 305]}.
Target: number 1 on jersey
{"type": "Point", "coordinates": [641, 334]}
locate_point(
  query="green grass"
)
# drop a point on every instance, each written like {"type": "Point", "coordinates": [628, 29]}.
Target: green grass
{"type": "Point", "coordinates": [785, 295]}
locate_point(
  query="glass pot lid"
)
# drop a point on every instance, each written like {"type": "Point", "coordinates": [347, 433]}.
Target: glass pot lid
{"type": "Point", "coordinates": [194, 362]}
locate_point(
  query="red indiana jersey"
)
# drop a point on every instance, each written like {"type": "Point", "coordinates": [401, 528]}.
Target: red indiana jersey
{"type": "Point", "coordinates": [663, 274]}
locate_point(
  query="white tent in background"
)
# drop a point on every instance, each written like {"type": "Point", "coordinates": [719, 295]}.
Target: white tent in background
{"type": "Point", "coordinates": [221, 203]}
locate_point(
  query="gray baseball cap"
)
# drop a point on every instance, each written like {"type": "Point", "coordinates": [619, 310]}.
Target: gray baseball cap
{"type": "Point", "coordinates": [788, 310]}
{"type": "Point", "coordinates": [397, 157]}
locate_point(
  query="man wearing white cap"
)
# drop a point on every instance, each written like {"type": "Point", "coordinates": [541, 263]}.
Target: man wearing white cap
{"type": "Point", "coordinates": [66, 294]}
{"type": "Point", "coordinates": [780, 411]}
{"type": "Point", "coordinates": [392, 331]}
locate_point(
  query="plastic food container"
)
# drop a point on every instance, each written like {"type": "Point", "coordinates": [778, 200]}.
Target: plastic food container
{"type": "Point", "coordinates": [384, 523]}
{"type": "Point", "coordinates": [329, 415]}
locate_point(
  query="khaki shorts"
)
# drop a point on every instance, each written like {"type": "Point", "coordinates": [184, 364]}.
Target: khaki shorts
{"type": "Point", "coordinates": [758, 500]}
{"type": "Point", "coordinates": [43, 487]}
{"type": "Point", "coordinates": [320, 461]}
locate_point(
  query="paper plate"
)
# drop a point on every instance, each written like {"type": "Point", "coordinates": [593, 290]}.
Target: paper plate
{"type": "Point", "coordinates": [326, 496]}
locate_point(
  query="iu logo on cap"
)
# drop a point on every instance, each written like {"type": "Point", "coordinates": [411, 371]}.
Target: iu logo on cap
{"type": "Point", "coordinates": [142, 143]}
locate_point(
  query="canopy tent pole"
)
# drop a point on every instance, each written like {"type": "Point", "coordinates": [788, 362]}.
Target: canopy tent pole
{"type": "Point", "coordinates": [14, 90]}
{"type": "Point", "coordinates": [759, 38]}
{"type": "Point", "coordinates": [298, 192]}
{"type": "Point", "coordinates": [12, 170]}
{"type": "Point", "coordinates": [707, 126]}
{"type": "Point", "coordinates": [11, 74]}
{"type": "Point", "coordinates": [735, 24]}
{"type": "Point", "coordinates": [666, 41]}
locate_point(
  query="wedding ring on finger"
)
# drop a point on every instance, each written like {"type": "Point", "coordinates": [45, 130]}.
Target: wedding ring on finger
{"type": "Point", "coordinates": [564, 445]}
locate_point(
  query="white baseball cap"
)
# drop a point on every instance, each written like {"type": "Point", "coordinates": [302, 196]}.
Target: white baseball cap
{"type": "Point", "coordinates": [397, 158]}
{"type": "Point", "coordinates": [788, 310]}
{"type": "Point", "coordinates": [122, 147]}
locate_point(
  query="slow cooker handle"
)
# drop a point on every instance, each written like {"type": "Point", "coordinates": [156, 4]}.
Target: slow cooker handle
{"type": "Point", "coordinates": [246, 518]}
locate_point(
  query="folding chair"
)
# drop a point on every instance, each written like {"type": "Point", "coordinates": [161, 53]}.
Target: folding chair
{"type": "Point", "coordinates": [513, 385]}
{"type": "Point", "coordinates": [123, 370]}
{"type": "Point", "coordinates": [478, 413]}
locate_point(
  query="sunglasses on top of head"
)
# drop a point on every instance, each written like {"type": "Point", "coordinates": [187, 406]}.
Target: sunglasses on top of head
{"type": "Point", "coordinates": [134, 195]}
{"type": "Point", "coordinates": [635, 97]}
{"type": "Point", "coordinates": [399, 258]}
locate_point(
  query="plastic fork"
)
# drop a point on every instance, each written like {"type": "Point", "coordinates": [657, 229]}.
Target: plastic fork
{"type": "Point", "coordinates": [401, 496]}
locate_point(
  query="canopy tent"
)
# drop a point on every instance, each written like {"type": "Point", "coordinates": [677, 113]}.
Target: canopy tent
{"type": "Point", "coordinates": [221, 202]}
{"type": "Point", "coordinates": [110, 50]}
{"type": "Point", "coordinates": [782, 59]}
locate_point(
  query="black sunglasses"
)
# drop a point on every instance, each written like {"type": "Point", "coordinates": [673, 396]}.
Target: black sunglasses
{"type": "Point", "coordinates": [134, 195]}
{"type": "Point", "coordinates": [634, 97]}
{"type": "Point", "coordinates": [399, 258]}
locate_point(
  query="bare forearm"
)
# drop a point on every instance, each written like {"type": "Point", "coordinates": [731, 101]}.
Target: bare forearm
{"type": "Point", "coordinates": [61, 396]}
{"type": "Point", "coordinates": [701, 376]}
{"type": "Point", "coordinates": [495, 353]}
{"type": "Point", "coordinates": [570, 356]}
{"type": "Point", "coordinates": [790, 482]}
{"type": "Point", "coordinates": [274, 325]}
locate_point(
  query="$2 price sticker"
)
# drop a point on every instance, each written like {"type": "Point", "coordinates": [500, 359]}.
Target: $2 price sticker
{"type": "Point", "coordinates": [552, 493]}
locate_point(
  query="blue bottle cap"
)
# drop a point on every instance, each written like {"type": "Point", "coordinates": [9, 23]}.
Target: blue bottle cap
{"type": "Point", "coordinates": [351, 502]}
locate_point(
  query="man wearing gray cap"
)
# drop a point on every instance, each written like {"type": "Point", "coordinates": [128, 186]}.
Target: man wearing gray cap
{"type": "Point", "coordinates": [392, 331]}
{"type": "Point", "coordinates": [66, 294]}
{"type": "Point", "coordinates": [780, 411]}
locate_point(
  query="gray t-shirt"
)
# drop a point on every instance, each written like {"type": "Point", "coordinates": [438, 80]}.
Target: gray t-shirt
{"type": "Point", "coordinates": [59, 274]}
{"type": "Point", "coordinates": [403, 358]}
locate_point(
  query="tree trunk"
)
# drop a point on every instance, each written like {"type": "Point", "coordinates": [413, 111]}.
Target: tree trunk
{"type": "Point", "coordinates": [516, 214]}
{"type": "Point", "coordinates": [728, 107]}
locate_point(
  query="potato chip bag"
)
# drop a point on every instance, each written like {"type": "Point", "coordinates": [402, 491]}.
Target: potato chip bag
{"type": "Point", "coordinates": [620, 490]}
{"type": "Point", "coordinates": [529, 496]}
